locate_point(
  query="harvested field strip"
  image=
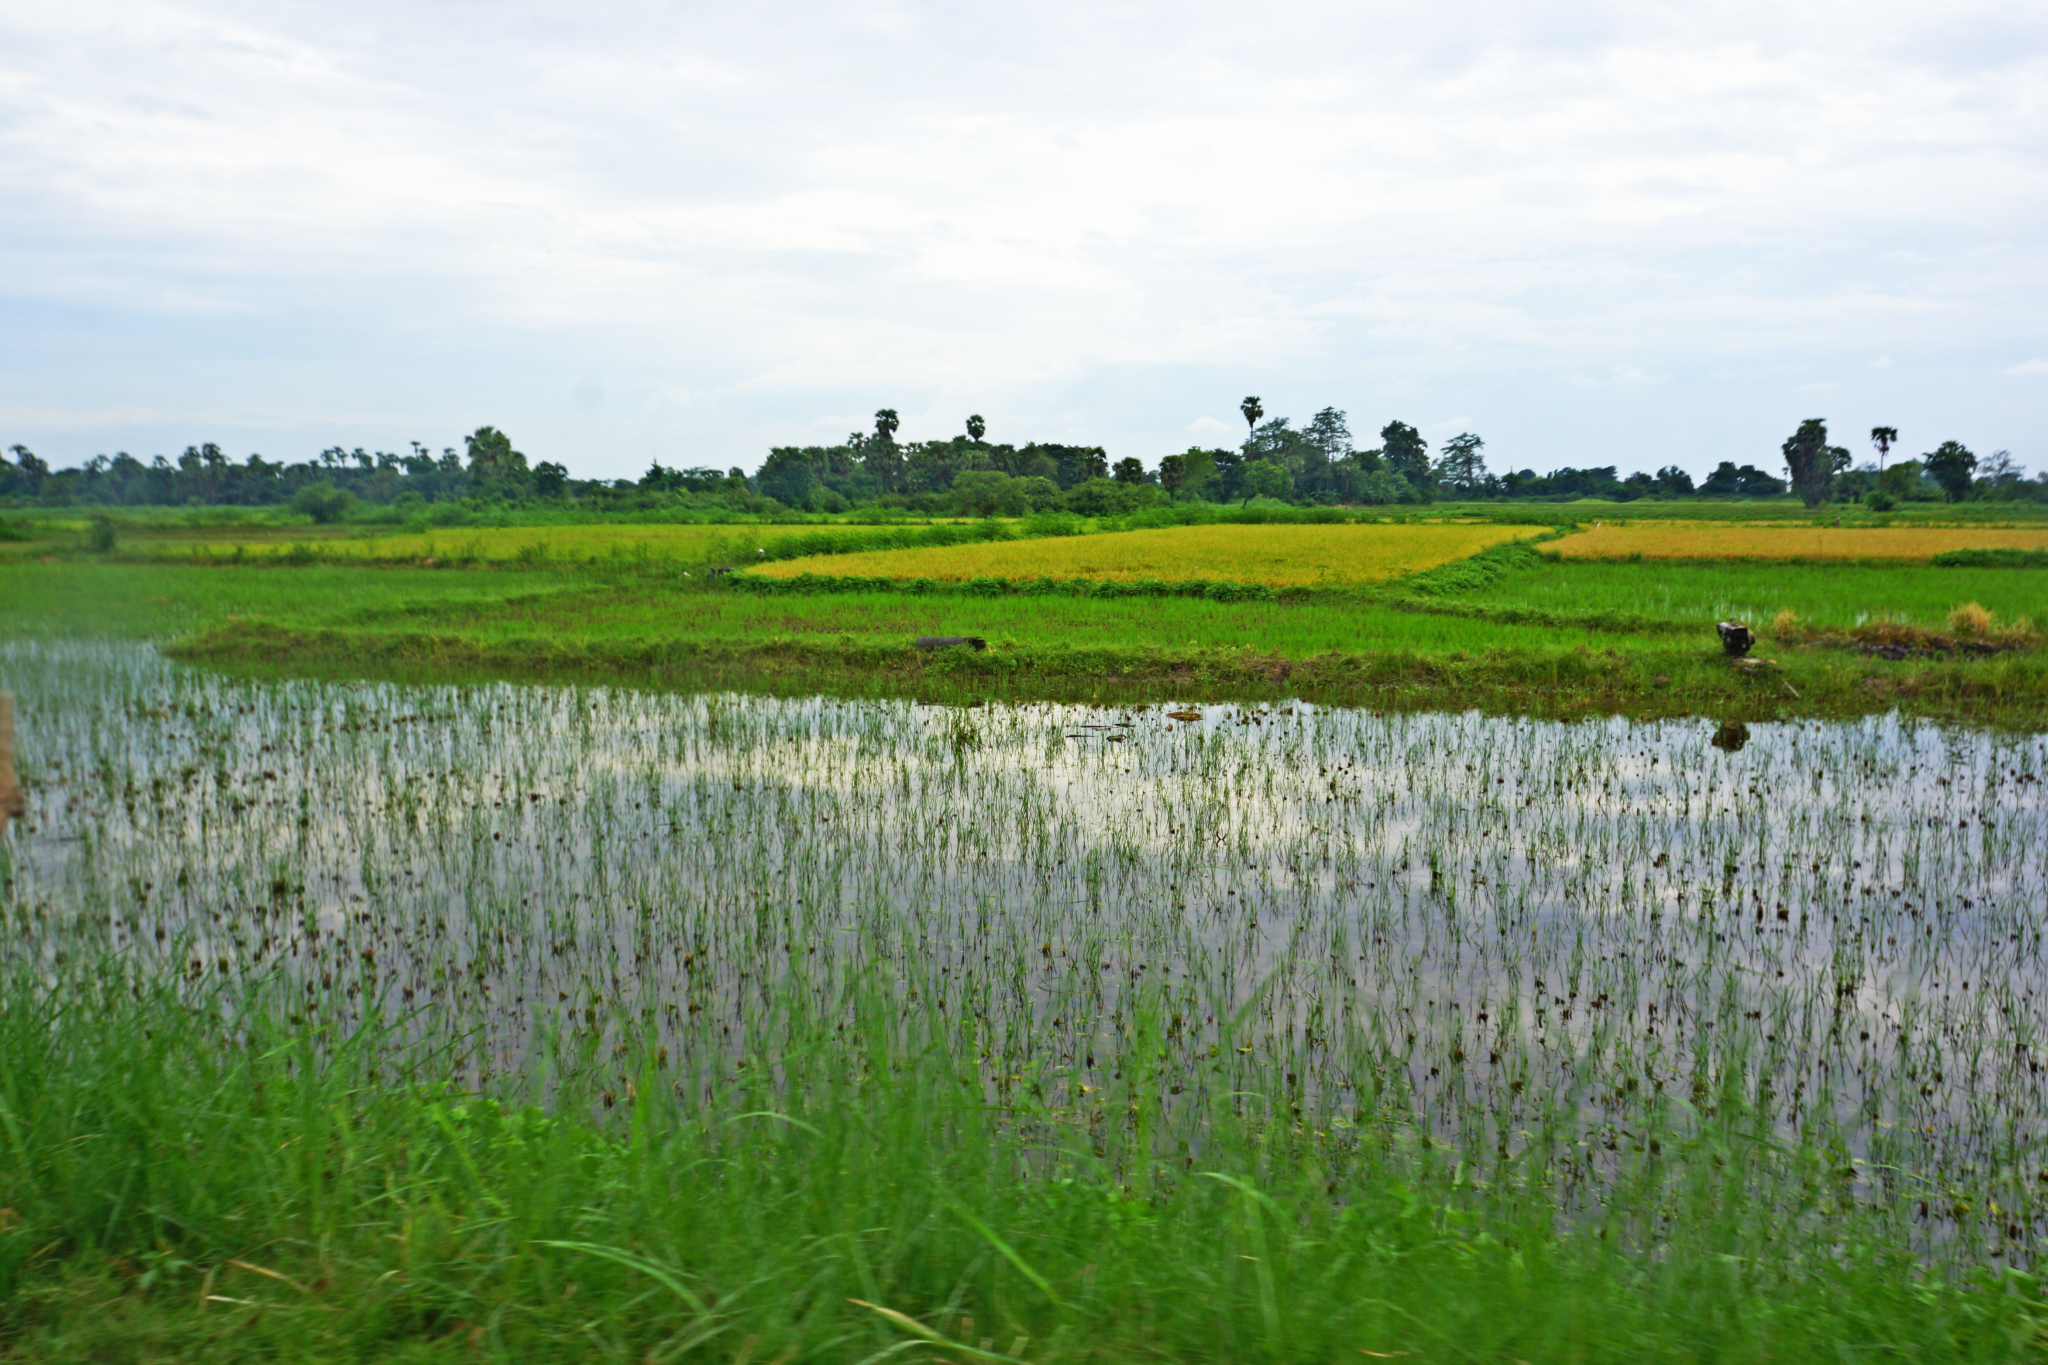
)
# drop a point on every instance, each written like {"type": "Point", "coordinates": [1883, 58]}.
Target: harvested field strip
{"type": "Point", "coordinates": [1680, 540]}
{"type": "Point", "coordinates": [1280, 556]}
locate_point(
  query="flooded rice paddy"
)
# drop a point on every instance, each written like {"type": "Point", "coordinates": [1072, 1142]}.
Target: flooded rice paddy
{"type": "Point", "coordinates": [1505, 936]}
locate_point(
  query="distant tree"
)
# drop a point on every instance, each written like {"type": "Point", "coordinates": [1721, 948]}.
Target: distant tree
{"type": "Point", "coordinates": [883, 461]}
{"type": "Point", "coordinates": [1884, 438]}
{"type": "Point", "coordinates": [496, 470]}
{"type": "Point", "coordinates": [976, 428]}
{"type": "Point", "coordinates": [1173, 472]}
{"type": "Point", "coordinates": [886, 422]}
{"type": "Point", "coordinates": [1130, 469]}
{"type": "Point", "coordinates": [1462, 467]}
{"type": "Point", "coordinates": [1264, 479]}
{"type": "Point", "coordinates": [1071, 465]}
{"type": "Point", "coordinates": [1381, 487]}
{"type": "Point", "coordinates": [1752, 482]}
{"type": "Point", "coordinates": [1950, 465]}
{"type": "Point", "coordinates": [550, 480]}
{"type": "Point", "coordinates": [1406, 454]}
{"type": "Point", "coordinates": [1902, 482]}
{"type": "Point", "coordinates": [982, 492]}
{"type": "Point", "coordinates": [30, 470]}
{"type": "Point", "coordinates": [1672, 482]}
{"type": "Point", "coordinates": [1812, 462]}
{"type": "Point", "coordinates": [1187, 475]}
{"type": "Point", "coordinates": [787, 476]}
{"type": "Point", "coordinates": [1292, 450]}
{"type": "Point", "coordinates": [1100, 497]}
{"type": "Point", "coordinates": [2000, 471]}
{"type": "Point", "coordinates": [1330, 433]}
{"type": "Point", "coordinates": [1724, 482]}
{"type": "Point", "coordinates": [1253, 410]}
{"type": "Point", "coordinates": [1727, 481]}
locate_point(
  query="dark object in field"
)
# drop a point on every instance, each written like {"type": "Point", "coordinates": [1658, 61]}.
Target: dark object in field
{"type": "Point", "coordinates": [11, 803]}
{"type": "Point", "coordinates": [974, 642]}
{"type": "Point", "coordinates": [1732, 735]}
{"type": "Point", "coordinates": [1183, 715]}
{"type": "Point", "coordinates": [1736, 638]}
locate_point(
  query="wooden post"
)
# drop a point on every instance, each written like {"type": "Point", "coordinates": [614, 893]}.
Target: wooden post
{"type": "Point", "coordinates": [11, 803]}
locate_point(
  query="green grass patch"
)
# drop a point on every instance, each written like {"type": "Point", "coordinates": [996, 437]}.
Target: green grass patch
{"type": "Point", "coordinates": [183, 1187]}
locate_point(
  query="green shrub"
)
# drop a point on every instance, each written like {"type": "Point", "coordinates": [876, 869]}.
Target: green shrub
{"type": "Point", "coordinates": [323, 502]}
{"type": "Point", "coordinates": [1991, 559]}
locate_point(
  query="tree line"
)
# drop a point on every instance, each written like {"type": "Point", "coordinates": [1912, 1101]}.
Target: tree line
{"type": "Point", "coordinates": [1314, 463]}
{"type": "Point", "coordinates": [1951, 472]}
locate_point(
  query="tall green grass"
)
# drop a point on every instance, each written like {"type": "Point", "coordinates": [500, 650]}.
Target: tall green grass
{"type": "Point", "coordinates": [191, 1175]}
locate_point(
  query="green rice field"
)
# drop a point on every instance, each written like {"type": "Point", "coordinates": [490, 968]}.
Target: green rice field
{"type": "Point", "coordinates": [365, 1020]}
{"type": "Point", "coordinates": [1818, 594]}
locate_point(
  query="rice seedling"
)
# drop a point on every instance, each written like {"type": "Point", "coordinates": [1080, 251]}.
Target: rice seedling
{"type": "Point", "coordinates": [1088, 1030]}
{"type": "Point", "coordinates": [1709, 540]}
{"type": "Point", "coordinates": [10, 787]}
{"type": "Point", "coordinates": [1283, 555]}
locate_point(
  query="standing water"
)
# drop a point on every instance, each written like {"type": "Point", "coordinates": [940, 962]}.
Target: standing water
{"type": "Point", "coordinates": [1524, 939]}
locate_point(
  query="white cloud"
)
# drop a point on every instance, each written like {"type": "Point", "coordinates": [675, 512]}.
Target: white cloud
{"type": "Point", "coordinates": [1627, 375]}
{"type": "Point", "coordinates": [2035, 366]}
{"type": "Point", "coordinates": [225, 220]}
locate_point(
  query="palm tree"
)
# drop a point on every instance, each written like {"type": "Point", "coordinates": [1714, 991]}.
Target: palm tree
{"type": "Point", "coordinates": [976, 427]}
{"type": "Point", "coordinates": [1883, 438]}
{"type": "Point", "coordinates": [1253, 410]}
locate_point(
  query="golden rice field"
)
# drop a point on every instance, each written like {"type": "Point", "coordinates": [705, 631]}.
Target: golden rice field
{"type": "Point", "coordinates": [1282, 556]}
{"type": "Point", "coordinates": [569, 543]}
{"type": "Point", "coordinates": [1720, 540]}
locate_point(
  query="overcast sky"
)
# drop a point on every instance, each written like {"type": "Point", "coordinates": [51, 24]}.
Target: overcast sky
{"type": "Point", "coordinates": [1628, 233]}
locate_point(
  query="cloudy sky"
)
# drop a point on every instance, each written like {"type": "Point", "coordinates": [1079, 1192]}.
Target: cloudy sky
{"type": "Point", "coordinates": [1594, 233]}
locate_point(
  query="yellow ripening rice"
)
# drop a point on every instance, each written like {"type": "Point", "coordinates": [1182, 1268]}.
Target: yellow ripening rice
{"type": "Point", "coordinates": [1710, 540]}
{"type": "Point", "coordinates": [1283, 556]}
{"type": "Point", "coordinates": [486, 542]}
